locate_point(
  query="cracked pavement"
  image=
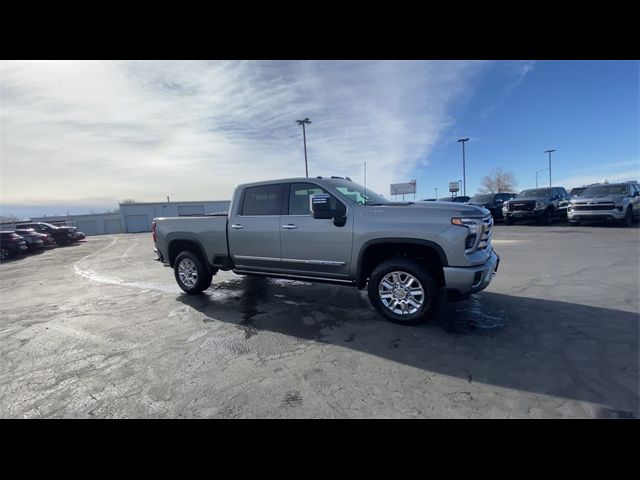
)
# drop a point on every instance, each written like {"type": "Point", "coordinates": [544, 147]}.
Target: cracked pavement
{"type": "Point", "coordinates": [100, 330]}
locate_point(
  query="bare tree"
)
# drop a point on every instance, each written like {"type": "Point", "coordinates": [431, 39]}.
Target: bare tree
{"type": "Point", "coordinates": [128, 201]}
{"type": "Point", "coordinates": [10, 218]}
{"type": "Point", "coordinates": [498, 181]}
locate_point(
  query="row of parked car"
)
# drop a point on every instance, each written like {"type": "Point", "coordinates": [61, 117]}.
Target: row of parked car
{"type": "Point", "coordinates": [614, 202]}
{"type": "Point", "coordinates": [29, 237]}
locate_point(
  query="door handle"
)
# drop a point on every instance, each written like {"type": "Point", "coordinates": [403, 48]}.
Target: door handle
{"type": "Point", "coordinates": [237, 226]}
{"type": "Point", "coordinates": [290, 226]}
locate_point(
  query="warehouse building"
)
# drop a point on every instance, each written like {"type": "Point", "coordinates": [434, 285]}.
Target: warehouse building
{"type": "Point", "coordinates": [89, 224]}
{"type": "Point", "coordinates": [133, 217]}
{"type": "Point", "coordinates": [137, 217]}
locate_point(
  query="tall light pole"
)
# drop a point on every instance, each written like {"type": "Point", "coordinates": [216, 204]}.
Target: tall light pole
{"type": "Point", "coordinates": [549, 152]}
{"type": "Point", "coordinates": [537, 175]}
{"type": "Point", "coordinates": [304, 122]}
{"type": "Point", "coordinates": [436, 189]}
{"type": "Point", "coordinates": [464, 174]}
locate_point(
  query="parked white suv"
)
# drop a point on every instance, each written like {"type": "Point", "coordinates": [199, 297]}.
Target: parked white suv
{"type": "Point", "coordinates": [618, 202]}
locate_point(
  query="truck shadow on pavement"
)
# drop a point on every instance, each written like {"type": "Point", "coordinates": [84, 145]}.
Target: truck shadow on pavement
{"type": "Point", "coordinates": [550, 348]}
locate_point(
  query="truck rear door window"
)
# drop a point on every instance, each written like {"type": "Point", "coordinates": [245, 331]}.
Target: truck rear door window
{"type": "Point", "coordinates": [262, 200]}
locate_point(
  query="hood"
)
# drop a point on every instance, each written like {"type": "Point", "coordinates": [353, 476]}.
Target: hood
{"type": "Point", "coordinates": [455, 209]}
{"type": "Point", "coordinates": [528, 199]}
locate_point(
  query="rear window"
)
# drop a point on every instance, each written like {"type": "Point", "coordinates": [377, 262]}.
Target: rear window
{"type": "Point", "coordinates": [262, 200]}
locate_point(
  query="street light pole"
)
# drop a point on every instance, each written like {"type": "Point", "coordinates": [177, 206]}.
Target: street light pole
{"type": "Point", "coordinates": [304, 122]}
{"type": "Point", "coordinates": [549, 152]}
{"type": "Point", "coordinates": [464, 174]}
{"type": "Point", "coordinates": [436, 189]}
{"type": "Point", "coordinates": [537, 175]}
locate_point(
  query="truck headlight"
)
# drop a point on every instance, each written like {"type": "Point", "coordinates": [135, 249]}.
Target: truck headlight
{"type": "Point", "coordinates": [539, 203]}
{"type": "Point", "coordinates": [475, 227]}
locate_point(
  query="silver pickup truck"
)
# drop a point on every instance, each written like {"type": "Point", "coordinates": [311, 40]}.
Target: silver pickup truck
{"type": "Point", "coordinates": [333, 230]}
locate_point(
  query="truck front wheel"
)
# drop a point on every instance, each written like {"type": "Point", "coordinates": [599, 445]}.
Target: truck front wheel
{"type": "Point", "coordinates": [191, 274]}
{"type": "Point", "coordinates": [403, 291]}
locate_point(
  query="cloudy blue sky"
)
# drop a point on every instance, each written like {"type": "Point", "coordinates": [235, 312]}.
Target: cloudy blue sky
{"type": "Point", "coordinates": [81, 135]}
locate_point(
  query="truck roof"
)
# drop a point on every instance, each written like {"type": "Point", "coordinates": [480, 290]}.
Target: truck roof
{"type": "Point", "coordinates": [291, 180]}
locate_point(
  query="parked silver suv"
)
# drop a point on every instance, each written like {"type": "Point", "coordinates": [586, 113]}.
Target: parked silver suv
{"type": "Point", "coordinates": [612, 202]}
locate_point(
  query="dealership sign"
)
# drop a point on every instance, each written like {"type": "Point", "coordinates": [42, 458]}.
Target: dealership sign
{"type": "Point", "coordinates": [403, 188]}
{"type": "Point", "coordinates": [454, 187]}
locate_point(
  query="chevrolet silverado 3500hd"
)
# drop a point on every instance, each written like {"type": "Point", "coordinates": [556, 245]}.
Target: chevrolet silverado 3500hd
{"type": "Point", "coordinates": [335, 231]}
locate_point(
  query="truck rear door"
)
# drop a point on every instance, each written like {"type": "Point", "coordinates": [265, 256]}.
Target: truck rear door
{"type": "Point", "coordinates": [254, 227]}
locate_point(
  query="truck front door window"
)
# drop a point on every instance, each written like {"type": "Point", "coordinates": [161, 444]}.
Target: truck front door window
{"type": "Point", "coordinates": [299, 197]}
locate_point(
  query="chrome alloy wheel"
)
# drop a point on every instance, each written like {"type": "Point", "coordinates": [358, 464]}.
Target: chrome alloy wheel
{"type": "Point", "coordinates": [4, 253]}
{"type": "Point", "coordinates": [187, 272]}
{"type": "Point", "coordinates": [401, 293]}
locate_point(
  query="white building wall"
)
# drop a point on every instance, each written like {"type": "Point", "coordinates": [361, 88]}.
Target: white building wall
{"type": "Point", "coordinates": [135, 211]}
{"type": "Point", "coordinates": [95, 222]}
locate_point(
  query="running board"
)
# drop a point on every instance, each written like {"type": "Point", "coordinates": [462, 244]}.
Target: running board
{"type": "Point", "coordinates": [333, 281]}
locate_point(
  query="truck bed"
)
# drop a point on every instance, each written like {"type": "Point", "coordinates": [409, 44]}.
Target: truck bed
{"type": "Point", "coordinates": [209, 231]}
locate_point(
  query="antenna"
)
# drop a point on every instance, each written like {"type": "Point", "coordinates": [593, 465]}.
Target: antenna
{"type": "Point", "coordinates": [365, 183]}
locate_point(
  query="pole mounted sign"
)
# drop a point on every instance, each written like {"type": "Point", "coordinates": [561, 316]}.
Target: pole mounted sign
{"type": "Point", "coordinates": [403, 188]}
{"type": "Point", "coordinates": [454, 187]}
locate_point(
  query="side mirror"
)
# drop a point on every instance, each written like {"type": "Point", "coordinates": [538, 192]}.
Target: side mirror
{"type": "Point", "coordinates": [324, 206]}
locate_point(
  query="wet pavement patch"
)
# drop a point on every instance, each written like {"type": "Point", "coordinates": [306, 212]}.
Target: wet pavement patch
{"type": "Point", "coordinates": [292, 399]}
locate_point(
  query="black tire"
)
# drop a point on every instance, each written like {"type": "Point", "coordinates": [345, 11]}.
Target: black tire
{"type": "Point", "coordinates": [508, 221]}
{"type": "Point", "coordinates": [5, 254]}
{"type": "Point", "coordinates": [574, 223]}
{"type": "Point", "coordinates": [628, 218]}
{"type": "Point", "coordinates": [547, 218]}
{"type": "Point", "coordinates": [202, 279]}
{"type": "Point", "coordinates": [426, 282]}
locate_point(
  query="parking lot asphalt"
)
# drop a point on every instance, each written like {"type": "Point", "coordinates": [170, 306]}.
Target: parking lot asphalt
{"type": "Point", "coordinates": [99, 329]}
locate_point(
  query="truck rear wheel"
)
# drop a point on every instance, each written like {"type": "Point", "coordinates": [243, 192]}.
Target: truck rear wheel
{"type": "Point", "coordinates": [191, 274]}
{"type": "Point", "coordinates": [508, 220]}
{"type": "Point", "coordinates": [403, 291]}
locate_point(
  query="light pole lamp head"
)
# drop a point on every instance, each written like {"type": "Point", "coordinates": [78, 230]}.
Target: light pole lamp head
{"type": "Point", "coordinates": [549, 151]}
{"type": "Point", "coordinates": [463, 140]}
{"type": "Point", "coordinates": [305, 121]}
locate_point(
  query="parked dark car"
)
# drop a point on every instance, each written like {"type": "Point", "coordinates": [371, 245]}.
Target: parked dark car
{"type": "Point", "coordinates": [11, 244]}
{"type": "Point", "coordinates": [540, 204]}
{"type": "Point", "coordinates": [459, 199]}
{"type": "Point", "coordinates": [61, 235]}
{"type": "Point", "coordinates": [492, 202]}
{"type": "Point", "coordinates": [35, 240]}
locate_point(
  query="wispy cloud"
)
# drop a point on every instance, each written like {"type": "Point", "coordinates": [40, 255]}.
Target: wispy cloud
{"type": "Point", "coordinates": [606, 172]}
{"type": "Point", "coordinates": [81, 131]}
{"type": "Point", "coordinates": [515, 73]}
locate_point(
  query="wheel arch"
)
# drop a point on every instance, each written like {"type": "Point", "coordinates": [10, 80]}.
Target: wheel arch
{"type": "Point", "coordinates": [378, 250]}
{"type": "Point", "coordinates": [180, 244]}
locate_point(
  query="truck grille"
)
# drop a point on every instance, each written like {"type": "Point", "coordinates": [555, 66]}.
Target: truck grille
{"type": "Point", "coordinates": [485, 238]}
{"type": "Point", "coordinates": [602, 206]}
{"type": "Point", "coordinates": [519, 206]}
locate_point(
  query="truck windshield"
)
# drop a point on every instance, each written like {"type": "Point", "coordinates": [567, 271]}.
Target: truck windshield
{"type": "Point", "coordinates": [604, 190]}
{"type": "Point", "coordinates": [479, 199]}
{"type": "Point", "coordinates": [357, 193]}
{"type": "Point", "coordinates": [535, 193]}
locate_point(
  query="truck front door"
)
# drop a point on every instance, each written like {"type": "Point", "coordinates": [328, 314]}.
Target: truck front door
{"type": "Point", "coordinates": [314, 247]}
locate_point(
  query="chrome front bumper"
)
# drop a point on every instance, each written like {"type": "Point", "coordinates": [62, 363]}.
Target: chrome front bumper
{"type": "Point", "coordinates": [467, 280]}
{"type": "Point", "coordinates": [614, 214]}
